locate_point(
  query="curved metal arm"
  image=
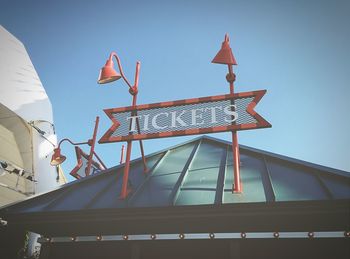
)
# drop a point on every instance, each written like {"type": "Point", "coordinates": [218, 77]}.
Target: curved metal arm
{"type": "Point", "coordinates": [133, 89]}
{"type": "Point", "coordinates": [73, 143]}
{"type": "Point", "coordinates": [113, 54]}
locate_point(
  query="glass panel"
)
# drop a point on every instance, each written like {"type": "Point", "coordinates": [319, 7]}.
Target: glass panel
{"type": "Point", "coordinates": [200, 182]}
{"type": "Point", "coordinates": [293, 182]}
{"type": "Point", "coordinates": [339, 187]}
{"type": "Point", "coordinates": [157, 189]}
{"type": "Point", "coordinates": [250, 171]}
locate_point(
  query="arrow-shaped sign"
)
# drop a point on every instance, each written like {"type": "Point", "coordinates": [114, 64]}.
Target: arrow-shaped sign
{"type": "Point", "coordinates": [185, 117]}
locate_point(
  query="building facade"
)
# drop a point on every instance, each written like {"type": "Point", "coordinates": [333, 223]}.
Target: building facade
{"type": "Point", "coordinates": [27, 133]}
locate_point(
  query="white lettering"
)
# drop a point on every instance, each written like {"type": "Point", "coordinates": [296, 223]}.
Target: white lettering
{"type": "Point", "coordinates": [154, 120]}
{"type": "Point", "coordinates": [175, 119]}
{"type": "Point", "coordinates": [133, 123]}
{"type": "Point", "coordinates": [196, 116]}
{"type": "Point", "coordinates": [232, 113]}
{"type": "Point", "coordinates": [213, 112]}
{"type": "Point", "coordinates": [145, 122]}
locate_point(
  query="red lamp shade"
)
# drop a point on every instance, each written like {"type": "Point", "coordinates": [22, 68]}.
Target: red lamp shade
{"type": "Point", "coordinates": [57, 158]}
{"type": "Point", "coordinates": [108, 74]}
{"type": "Point", "coordinates": [225, 55]}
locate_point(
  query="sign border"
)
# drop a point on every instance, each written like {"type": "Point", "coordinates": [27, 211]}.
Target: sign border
{"type": "Point", "coordinates": [261, 122]}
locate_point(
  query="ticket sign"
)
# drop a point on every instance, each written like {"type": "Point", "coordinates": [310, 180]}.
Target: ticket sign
{"type": "Point", "coordinates": [185, 117]}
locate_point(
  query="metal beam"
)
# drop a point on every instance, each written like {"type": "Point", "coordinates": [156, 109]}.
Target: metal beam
{"type": "Point", "coordinates": [197, 236]}
{"type": "Point", "coordinates": [148, 177]}
{"type": "Point", "coordinates": [324, 187]}
{"type": "Point", "coordinates": [267, 183]}
{"type": "Point", "coordinates": [220, 184]}
{"type": "Point", "coordinates": [175, 192]}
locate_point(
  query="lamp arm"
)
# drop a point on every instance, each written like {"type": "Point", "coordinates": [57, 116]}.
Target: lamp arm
{"type": "Point", "coordinates": [73, 143]}
{"type": "Point", "coordinates": [137, 75]}
{"type": "Point", "coordinates": [113, 54]}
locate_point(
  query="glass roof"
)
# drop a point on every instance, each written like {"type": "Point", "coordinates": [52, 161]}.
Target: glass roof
{"type": "Point", "coordinates": [196, 173]}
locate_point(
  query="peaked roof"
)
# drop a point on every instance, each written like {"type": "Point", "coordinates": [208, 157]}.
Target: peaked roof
{"type": "Point", "coordinates": [188, 189]}
{"type": "Point", "coordinates": [198, 172]}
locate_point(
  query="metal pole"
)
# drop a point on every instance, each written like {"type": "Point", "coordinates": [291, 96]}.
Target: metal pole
{"type": "Point", "coordinates": [137, 121]}
{"type": "Point", "coordinates": [122, 155]}
{"type": "Point", "coordinates": [124, 192]}
{"type": "Point", "coordinates": [87, 172]}
{"type": "Point", "coordinates": [100, 160]}
{"type": "Point", "coordinates": [237, 187]}
{"type": "Point", "coordinates": [133, 91]}
{"type": "Point", "coordinates": [145, 170]}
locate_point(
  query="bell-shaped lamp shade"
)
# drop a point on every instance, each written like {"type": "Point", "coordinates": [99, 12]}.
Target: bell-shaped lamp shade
{"type": "Point", "coordinates": [108, 74]}
{"type": "Point", "coordinates": [57, 158]}
{"type": "Point", "coordinates": [225, 55]}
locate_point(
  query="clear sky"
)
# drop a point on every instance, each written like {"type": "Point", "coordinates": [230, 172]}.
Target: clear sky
{"type": "Point", "coordinates": [298, 50]}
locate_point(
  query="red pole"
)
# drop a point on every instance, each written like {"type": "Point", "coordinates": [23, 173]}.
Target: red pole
{"type": "Point", "coordinates": [137, 121]}
{"type": "Point", "coordinates": [93, 141]}
{"type": "Point", "coordinates": [122, 155]}
{"type": "Point", "coordinates": [100, 160]}
{"type": "Point", "coordinates": [133, 91]}
{"type": "Point", "coordinates": [145, 170]}
{"type": "Point", "coordinates": [124, 192]}
{"type": "Point", "coordinates": [237, 186]}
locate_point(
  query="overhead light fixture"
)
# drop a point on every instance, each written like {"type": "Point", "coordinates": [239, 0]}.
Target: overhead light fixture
{"type": "Point", "coordinates": [57, 158]}
{"type": "Point", "coordinates": [108, 73]}
{"type": "Point", "coordinates": [225, 55]}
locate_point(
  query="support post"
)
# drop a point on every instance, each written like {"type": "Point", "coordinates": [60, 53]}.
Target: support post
{"type": "Point", "coordinates": [137, 121]}
{"type": "Point", "coordinates": [133, 91]}
{"type": "Point", "coordinates": [237, 186]}
{"type": "Point", "coordinates": [92, 148]}
{"type": "Point", "coordinates": [145, 170]}
{"type": "Point", "coordinates": [122, 155]}
{"type": "Point", "coordinates": [125, 190]}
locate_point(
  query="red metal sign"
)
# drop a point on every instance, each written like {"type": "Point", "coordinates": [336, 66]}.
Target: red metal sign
{"type": "Point", "coordinates": [185, 117]}
{"type": "Point", "coordinates": [80, 170]}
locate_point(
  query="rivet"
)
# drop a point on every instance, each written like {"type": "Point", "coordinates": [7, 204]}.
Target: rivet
{"type": "Point", "coordinates": [182, 236]}
{"type": "Point", "coordinates": [276, 235]}
{"type": "Point", "coordinates": [243, 235]}
{"type": "Point", "coordinates": [99, 238]}
{"type": "Point", "coordinates": [311, 234]}
{"type": "Point", "coordinates": [125, 237]}
{"type": "Point", "coordinates": [211, 235]}
{"type": "Point", "coordinates": [153, 236]}
{"type": "Point", "coordinates": [347, 233]}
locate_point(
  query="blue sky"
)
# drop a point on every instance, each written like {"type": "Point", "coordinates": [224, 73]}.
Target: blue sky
{"type": "Point", "coordinates": [297, 50]}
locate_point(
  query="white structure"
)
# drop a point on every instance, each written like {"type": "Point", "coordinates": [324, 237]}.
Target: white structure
{"type": "Point", "coordinates": [27, 134]}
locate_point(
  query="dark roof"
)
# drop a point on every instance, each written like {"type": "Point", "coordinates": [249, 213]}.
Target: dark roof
{"type": "Point", "coordinates": [189, 181]}
{"type": "Point", "coordinates": [194, 173]}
